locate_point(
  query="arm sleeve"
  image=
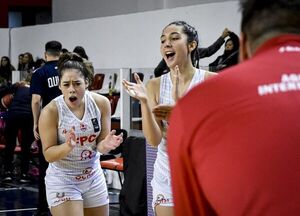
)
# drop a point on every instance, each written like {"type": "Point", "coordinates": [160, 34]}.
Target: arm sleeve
{"type": "Point", "coordinates": [212, 49]}
{"type": "Point", "coordinates": [35, 84]}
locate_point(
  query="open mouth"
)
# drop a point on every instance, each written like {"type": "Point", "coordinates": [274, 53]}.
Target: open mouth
{"type": "Point", "coordinates": [72, 98]}
{"type": "Point", "coordinates": [170, 55]}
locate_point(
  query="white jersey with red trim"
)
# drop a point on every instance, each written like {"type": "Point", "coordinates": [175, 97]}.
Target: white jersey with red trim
{"type": "Point", "coordinates": [161, 165]}
{"type": "Point", "coordinates": [83, 161]}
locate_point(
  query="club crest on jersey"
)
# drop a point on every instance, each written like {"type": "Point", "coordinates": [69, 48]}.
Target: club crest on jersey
{"type": "Point", "coordinates": [83, 127]}
{"type": "Point", "coordinates": [86, 154]}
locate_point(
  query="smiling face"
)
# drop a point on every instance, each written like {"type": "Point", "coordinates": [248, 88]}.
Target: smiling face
{"type": "Point", "coordinates": [73, 86]}
{"type": "Point", "coordinates": [174, 47]}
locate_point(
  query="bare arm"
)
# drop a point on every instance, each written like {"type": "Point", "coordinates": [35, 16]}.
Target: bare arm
{"type": "Point", "coordinates": [48, 126]}
{"type": "Point", "coordinates": [36, 110]}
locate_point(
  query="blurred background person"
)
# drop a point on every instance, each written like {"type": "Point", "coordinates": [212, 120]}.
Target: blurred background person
{"type": "Point", "coordinates": [230, 56]}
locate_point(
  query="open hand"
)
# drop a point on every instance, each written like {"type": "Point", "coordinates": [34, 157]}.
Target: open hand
{"type": "Point", "coordinates": [71, 138]}
{"type": "Point", "coordinates": [163, 111]}
{"type": "Point", "coordinates": [136, 90]}
{"type": "Point", "coordinates": [110, 142]}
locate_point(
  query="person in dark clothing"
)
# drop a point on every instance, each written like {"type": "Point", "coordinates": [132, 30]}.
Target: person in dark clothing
{"type": "Point", "coordinates": [230, 56]}
{"type": "Point", "coordinates": [6, 69]}
{"type": "Point", "coordinates": [44, 87]}
{"type": "Point", "coordinates": [162, 67]}
{"type": "Point", "coordinates": [18, 118]}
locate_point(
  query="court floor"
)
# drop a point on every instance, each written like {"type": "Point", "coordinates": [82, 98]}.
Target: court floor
{"type": "Point", "coordinates": [18, 199]}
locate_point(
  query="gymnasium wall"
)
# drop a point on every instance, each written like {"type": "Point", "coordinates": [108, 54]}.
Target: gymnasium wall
{"type": "Point", "coordinates": [4, 38]}
{"type": "Point", "coordinates": [66, 10]}
{"type": "Point", "coordinates": [130, 41]}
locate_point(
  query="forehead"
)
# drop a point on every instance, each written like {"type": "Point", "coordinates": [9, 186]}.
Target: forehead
{"type": "Point", "coordinates": [172, 29]}
{"type": "Point", "coordinates": [68, 74]}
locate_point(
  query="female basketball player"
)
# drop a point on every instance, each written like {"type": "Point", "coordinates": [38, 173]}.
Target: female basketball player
{"type": "Point", "coordinates": [74, 130]}
{"type": "Point", "coordinates": [179, 41]}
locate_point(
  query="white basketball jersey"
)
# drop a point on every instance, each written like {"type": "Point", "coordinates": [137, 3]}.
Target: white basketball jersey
{"type": "Point", "coordinates": [83, 161]}
{"type": "Point", "coordinates": [161, 166]}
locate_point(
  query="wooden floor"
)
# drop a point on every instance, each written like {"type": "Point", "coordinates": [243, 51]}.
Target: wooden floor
{"type": "Point", "coordinates": [18, 199]}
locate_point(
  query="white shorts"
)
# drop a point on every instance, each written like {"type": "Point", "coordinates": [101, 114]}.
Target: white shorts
{"type": "Point", "coordinates": [162, 193]}
{"type": "Point", "coordinates": [93, 192]}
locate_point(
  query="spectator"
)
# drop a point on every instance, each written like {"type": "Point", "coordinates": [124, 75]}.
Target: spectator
{"type": "Point", "coordinates": [18, 118]}
{"type": "Point", "coordinates": [6, 69]}
{"type": "Point", "coordinates": [234, 140]}
{"type": "Point", "coordinates": [20, 62]}
{"type": "Point", "coordinates": [230, 56]}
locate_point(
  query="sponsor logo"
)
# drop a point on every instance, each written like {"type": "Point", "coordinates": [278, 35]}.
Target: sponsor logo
{"type": "Point", "coordinates": [289, 83]}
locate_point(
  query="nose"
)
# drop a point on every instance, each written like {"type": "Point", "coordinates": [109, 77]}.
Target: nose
{"type": "Point", "coordinates": [71, 88]}
{"type": "Point", "coordinates": [167, 43]}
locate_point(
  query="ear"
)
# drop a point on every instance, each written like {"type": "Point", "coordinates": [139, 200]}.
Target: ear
{"type": "Point", "coordinates": [87, 83]}
{"type": "Point", "coordinates": [192, 46]}
{"type": "Point", "coordinates": [45, 55]}
{"type": "Point", "coordinates": [245, 52]}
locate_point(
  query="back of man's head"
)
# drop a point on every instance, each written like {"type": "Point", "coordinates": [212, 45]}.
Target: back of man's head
{"type": "Point", "coordinates": [53, 48]}
{"type": "Point", "coordinates": [267, 18]}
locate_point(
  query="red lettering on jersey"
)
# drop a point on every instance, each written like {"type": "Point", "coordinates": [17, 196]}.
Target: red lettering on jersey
{"type": "Point", "coordinates": [92, 138]}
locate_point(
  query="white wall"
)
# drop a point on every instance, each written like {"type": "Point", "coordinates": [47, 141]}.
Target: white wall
{"type": "Point", "coordinates": [4, 38]}
{"type": "Point", "coordinates": [66, 10]}
{"type": "Point", "coordinates": [127, 40]}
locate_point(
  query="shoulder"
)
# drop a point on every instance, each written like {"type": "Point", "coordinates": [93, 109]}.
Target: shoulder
{"type": "Point", "coordinates": [100, 100]}
{"type": "Point", "coordinates": [50, 109]}
{"type": "Point", "coordinates": [153, 83]}
{"type": "Point", "coordinates": [209, 74]}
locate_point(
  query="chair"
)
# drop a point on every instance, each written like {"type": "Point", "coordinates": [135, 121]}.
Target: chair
{"type": "Point", "coordinates": [97, 82]}
{"type": "Point", "coordinates": [113, 160]}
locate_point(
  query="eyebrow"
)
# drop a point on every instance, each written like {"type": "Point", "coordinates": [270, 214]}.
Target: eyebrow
{"type": "Point", "coordinates": [173, 33]}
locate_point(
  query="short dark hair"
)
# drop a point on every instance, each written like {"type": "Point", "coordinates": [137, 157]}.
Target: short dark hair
{"type": "Point", "coordinates": [260, 17]}
{"type": "Point", "coordinates": [81, 51]}
{"type": "Point", "coordinates": [53, 48]}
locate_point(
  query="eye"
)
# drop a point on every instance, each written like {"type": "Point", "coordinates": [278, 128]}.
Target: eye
{"type": "Point", "coordinates": [162, 41]}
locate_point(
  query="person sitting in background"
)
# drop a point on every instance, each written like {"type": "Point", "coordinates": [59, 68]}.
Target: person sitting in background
{"type": "Point", "coordinates": [18, 118]}
{"type": "Point", "coordinates": [234, 140]}
{"type": "Point", "coordinates": [20, 62]}
{"type": "Point", "coordinates": [162, 67]}
{"type": "Point", "coordinates": [39, 63]}
{"type": "Point", "coordinates": [64, 50]}
{"type": "Point", "coordinates": [28, 62]}
{"type": "Point", "coordinates": [6, 69]}
{"type": "Point", "coordinates": [230, 56]}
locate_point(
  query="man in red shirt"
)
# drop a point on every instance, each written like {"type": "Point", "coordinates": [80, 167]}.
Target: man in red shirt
{"type": "Point", "coordinates": [234, 140]}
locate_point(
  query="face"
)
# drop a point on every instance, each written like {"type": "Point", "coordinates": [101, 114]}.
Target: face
{"type": "Point", "coordinates": [25, 59]}
{"type": "Point", "coordinates": [21, 59]}
{"type": "Point", "coordinates": [229, 45]}
{"type": "Point", "coordinates": [4, 62]}
{"type": "Point", "coordinates": [173, 46]}
{"type": "Point", "coordinates": [72, 85]}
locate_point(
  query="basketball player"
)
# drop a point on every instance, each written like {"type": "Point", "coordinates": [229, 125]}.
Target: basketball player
{"type": "Point", "coordinates": [178, 43]}
{"type": "Point", "coordinates": [74, 130]}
